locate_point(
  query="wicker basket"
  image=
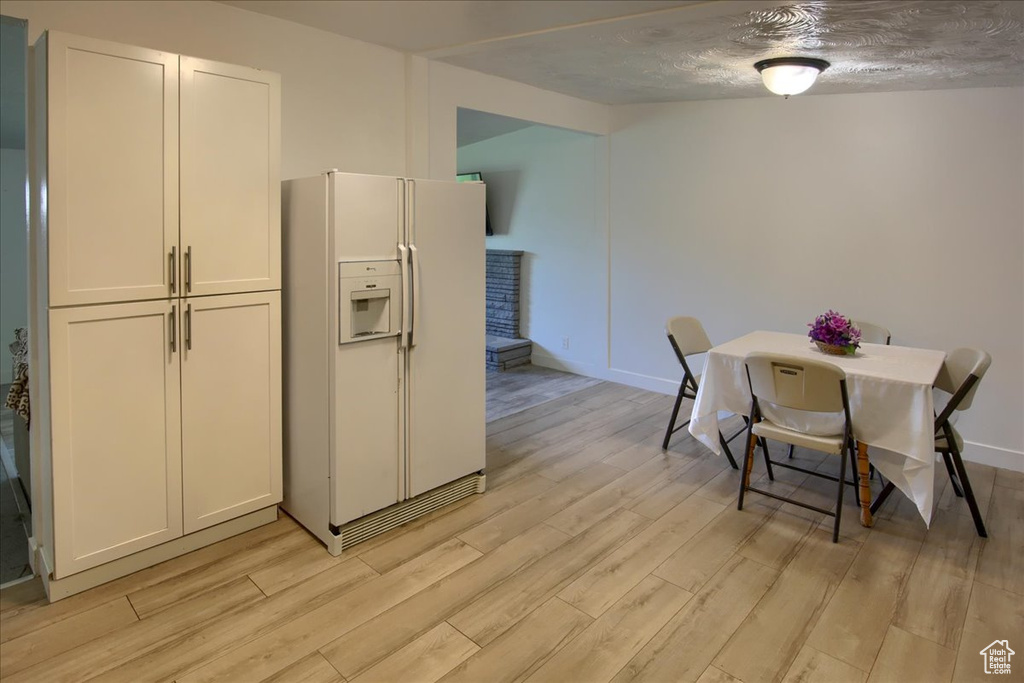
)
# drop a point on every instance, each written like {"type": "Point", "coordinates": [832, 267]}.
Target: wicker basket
{"type": "Point", "coordinates": [831, 349]}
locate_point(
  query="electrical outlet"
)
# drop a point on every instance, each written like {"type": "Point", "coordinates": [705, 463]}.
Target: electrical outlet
{"type": "Point", "coordinates": [565, 342]}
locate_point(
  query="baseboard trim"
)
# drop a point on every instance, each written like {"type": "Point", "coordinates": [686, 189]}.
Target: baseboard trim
{"type": "Point", "coordinates": [546, 360]}
{"type": "Point", "coordinates": [1003, 458]}
{"type": "Point", "coordinates": [632, 379]}
{"type": "Point", "coordinates": [15, 582]}
{"type": "Point", "coordinates": [40, 566]}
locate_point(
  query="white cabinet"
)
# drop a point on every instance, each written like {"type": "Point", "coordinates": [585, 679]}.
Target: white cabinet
{"type": "Point", "coordinates": [231, 406]}
{"type": "Point", "coordinates": [230, 178]}
{"type": "Point", "coordinates": [156, 276]}
{"type": "Point", "coordinates": [166, 419]}
{"type": "Point", "coordinates": [116, 434]}
{"type": "Point", "coordinates": [114, 114]}
{"type": "Point", "coordinates": [112, 166]}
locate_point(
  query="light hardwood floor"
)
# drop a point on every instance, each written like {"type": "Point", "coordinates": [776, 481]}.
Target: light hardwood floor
{"type": "Point", "coordinates": [525, 386]}
{"type": "Point", "coordinates": [593, 556]}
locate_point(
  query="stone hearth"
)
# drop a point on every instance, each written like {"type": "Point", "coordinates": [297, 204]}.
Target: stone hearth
{"type": "Point", "coordinates": [505, 349]}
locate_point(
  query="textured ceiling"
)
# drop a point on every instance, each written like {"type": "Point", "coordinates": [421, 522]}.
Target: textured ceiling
{"type": "Point", "coordinates": [873, 46]}
{"type": "Point", "coordinates": [418, 25]}
{"type": "Point", "coordinates": [634, 52]}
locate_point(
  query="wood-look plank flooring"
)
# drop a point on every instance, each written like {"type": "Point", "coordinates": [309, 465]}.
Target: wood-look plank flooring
{"type": "Point", "coordinates": [594, 556]}
{"type": "Point", "coordinates": [516, 389]}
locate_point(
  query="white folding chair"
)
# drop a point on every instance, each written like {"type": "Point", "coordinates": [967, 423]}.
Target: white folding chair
{"type": "Point", "coordinates": [688, 338]}
{"type": "Point", "coordinates": [959, 377]}
{"type": "Point", "coordinates": [797, 384]}
{"type": "Point", "coordinates": [871, 333]}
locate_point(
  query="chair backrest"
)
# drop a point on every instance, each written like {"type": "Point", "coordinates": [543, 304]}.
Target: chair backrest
{"type": "Point", "coordinates": [798, 383]}
{"type": "Point", "coordinates": [961, 364]}
{"type": "Point", "coordinates": [688, 334]}
{"type": "Point", "coordinates": [871, 333]}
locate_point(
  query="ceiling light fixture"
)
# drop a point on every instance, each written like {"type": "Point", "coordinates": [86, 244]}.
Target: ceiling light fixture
{"type": "Point", "coordinates": [790, 75]}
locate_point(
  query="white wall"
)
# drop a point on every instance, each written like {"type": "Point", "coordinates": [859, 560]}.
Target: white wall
{"type": "Point", "coordinates": [904, 209]}
{"type": "Point", "coordinates": [437, 90]}
{"type": "Point", "coordinates": [343, 101]}
{"type": "Point", "coordinates": [13, 253]}
{"type": "Point", "coordinates": [546, 192]}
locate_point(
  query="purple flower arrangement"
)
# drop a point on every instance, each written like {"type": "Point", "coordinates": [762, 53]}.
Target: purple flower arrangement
{"type": "Point", "coordinates": [833, 329]}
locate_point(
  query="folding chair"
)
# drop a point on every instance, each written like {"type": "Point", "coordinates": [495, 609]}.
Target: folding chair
{"type": "Point", "coordinates": [871, 333]}
{"type": "Point", "coordinates": [959, 377]}
{"type": "Point", "coordinates": [688, 338]}
{"type": "Point", "coordinates": [798, 384]}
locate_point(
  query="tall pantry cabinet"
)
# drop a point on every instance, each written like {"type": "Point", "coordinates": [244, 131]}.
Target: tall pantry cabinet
{"type": "Point", "coordinates": [155, 306]}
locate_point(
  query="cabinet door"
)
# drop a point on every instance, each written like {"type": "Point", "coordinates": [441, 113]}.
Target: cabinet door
{"type": "Point", "coordinates": [112, 165]}
{"type": "Point", "coordinates": [230, 178]}
{"type": "Point", "coordinates": [231, 406]}
{"type": "Point", "coordinates": [116, 431]}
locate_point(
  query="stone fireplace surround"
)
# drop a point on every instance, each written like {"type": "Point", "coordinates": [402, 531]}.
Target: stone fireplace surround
{"type": "Point", "coordinates": [505, 348]}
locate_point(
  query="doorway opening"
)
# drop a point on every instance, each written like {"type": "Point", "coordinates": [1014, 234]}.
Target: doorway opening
{"type": "Point", "coordinates": [15, 478]}
{"type": "Point", "coordinates": [546, 258]}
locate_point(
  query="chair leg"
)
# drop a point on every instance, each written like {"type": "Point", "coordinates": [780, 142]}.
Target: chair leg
{"type": "Point", "coordinates": [979, 523]}
{"type": "Point", "coordinates": [748, 465]}
{"type": "Point", "coordinates": [882, 496]}
{"type": "Point", "coordinates": [839, 496]}
{"type": "Point", "coordinates": [790, 451]}
{"type": "Point", "coordinates": [767, 460]}
{"type": "Point", "coordinates": [952, 475]}
{"type": "Point", "coordinates": [675, 414]}
{"type": "Point", "coordinates": [725, 448]}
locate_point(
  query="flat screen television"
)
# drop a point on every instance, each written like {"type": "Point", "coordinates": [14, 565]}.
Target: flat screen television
{"type": "Point", "coordinates": [475, 177]}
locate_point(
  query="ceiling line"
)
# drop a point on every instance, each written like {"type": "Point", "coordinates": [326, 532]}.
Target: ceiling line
{"type": "Point", "coordinates": [727, 5]}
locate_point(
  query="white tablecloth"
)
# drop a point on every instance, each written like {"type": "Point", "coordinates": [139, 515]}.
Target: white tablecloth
{"type": "Point", "coordinates": [891, 405]}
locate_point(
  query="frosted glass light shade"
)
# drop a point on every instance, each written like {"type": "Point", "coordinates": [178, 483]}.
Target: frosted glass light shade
{"type": "Point", "coordinates": [790, 75]}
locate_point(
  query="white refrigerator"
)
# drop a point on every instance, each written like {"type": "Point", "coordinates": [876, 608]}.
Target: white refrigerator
{"type": "Point", "coordinates": [384, 385]}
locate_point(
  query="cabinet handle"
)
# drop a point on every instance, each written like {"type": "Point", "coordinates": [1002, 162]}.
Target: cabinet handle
{"type": "Point", "coordinates": [188, 269]}
{"type": "Point", "coordinates": [188, 327]}
{"type": "Point", "coordinates": [174, 326]}
{"type": "Point", "coordinates": [174, 270]}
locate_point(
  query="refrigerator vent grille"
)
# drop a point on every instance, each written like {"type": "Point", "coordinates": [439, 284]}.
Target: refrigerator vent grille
{"type": "Point", "coordinates": [397, 515]}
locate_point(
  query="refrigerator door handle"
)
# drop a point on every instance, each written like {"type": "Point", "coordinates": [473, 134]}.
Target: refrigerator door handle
{"type": "Point", "coordinates": [415, 290]}
{"type": "Point", "coordinates": [404, 255]}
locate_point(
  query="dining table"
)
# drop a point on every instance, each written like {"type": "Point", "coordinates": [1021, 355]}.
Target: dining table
{"type": "Point", "coordinates": [891, 407]}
